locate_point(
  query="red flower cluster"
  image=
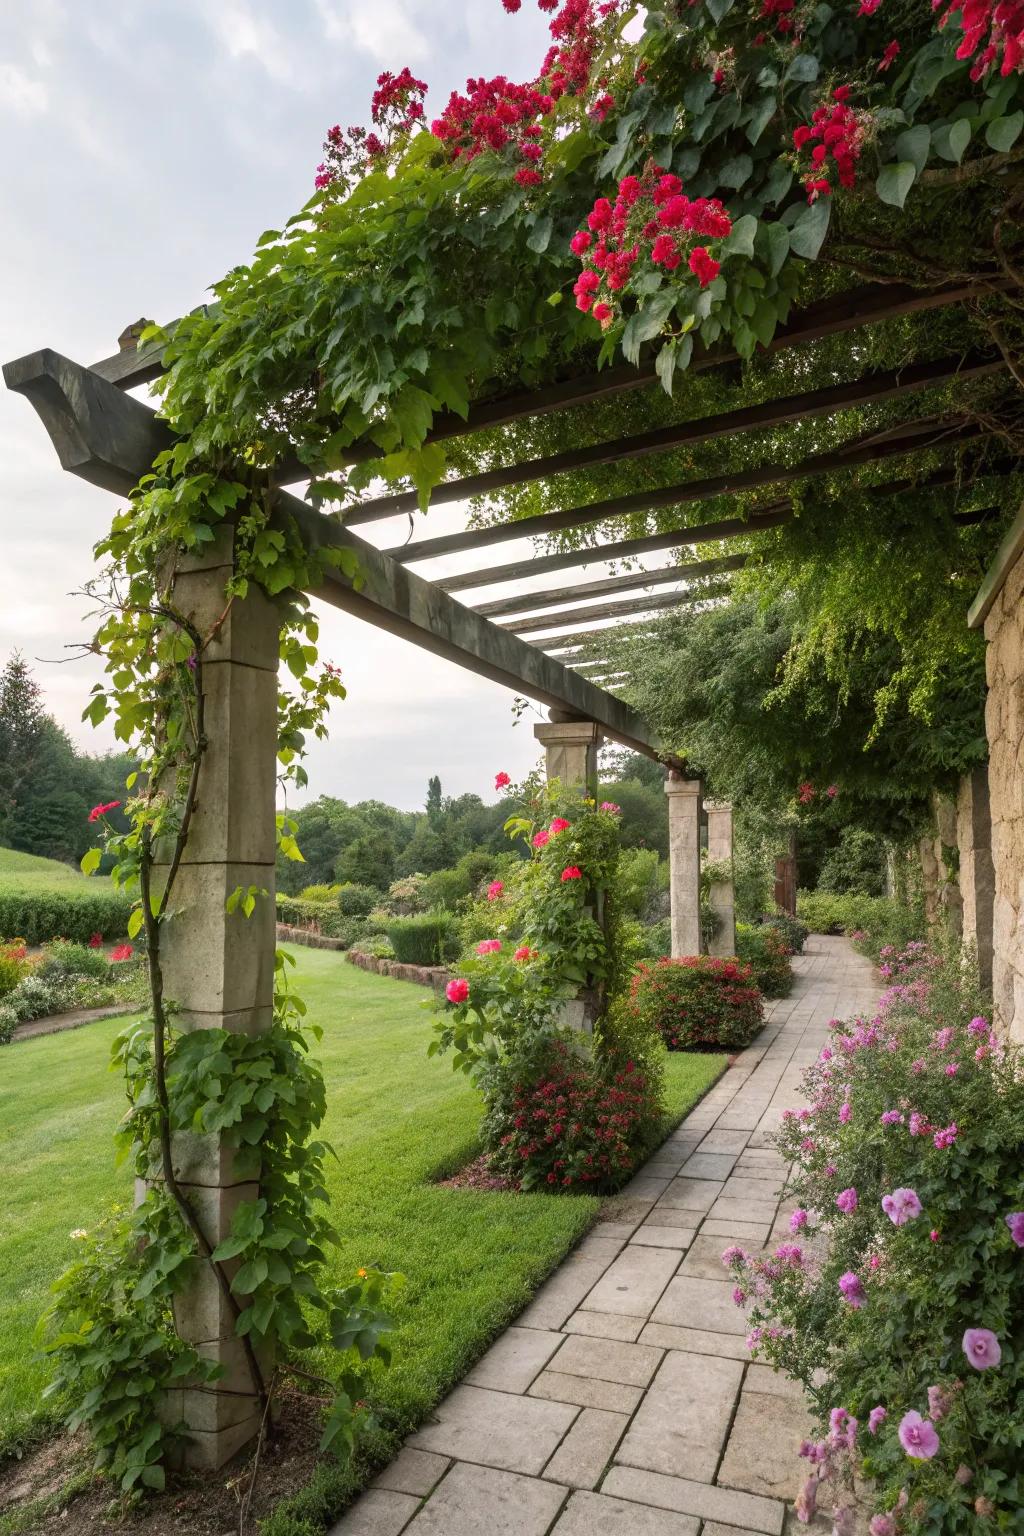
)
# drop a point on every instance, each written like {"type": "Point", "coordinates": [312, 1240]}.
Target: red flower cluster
{"type": "Point", "coordinates": [96, 941]}
{"type": "Point", "coordinates": [698, 1002]}
{"type": "Point", "coordinates": [101, 810]}
{"type": "Point", "coordinates": [122, 952]}
{"type": "Point", "coordinates": [781, 11]}
{"type": "Point", "coordinates": [571, 873]}
{"type": "Point", "coordinates": [998, 24]}
{"type": "Point", "coordinates": [650, 214]}
{"type": "Point", "coordinates": [396, 107]}
{"type": "Point", "coordinates": [502, 780]}
{"type": "Point", "coordinates": [836, 134]}
{"type": "Point", "coordinates": [889, 57]}
{"type": "Point", "coordinates": [806, 793]}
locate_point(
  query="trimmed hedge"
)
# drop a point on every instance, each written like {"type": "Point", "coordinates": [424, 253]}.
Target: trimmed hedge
{"type": "Point", "coordinates": [429, 938]}
{"type": "Point", "coordinates": [765, 950]}
{"type": "Point", "coordinates": [877, 920]}
{"type": "Point", "coordinates": [700, 1002]}
{"type": "Point", "coordinates": [38, 916]}
{"type": "Point", "coordinates": [322, 917]}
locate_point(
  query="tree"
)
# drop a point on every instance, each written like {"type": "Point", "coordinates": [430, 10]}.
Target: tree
{"type": "Point", "coordinates": [434, 800]}
{"type": "Point", "coordinates": [22, 724]}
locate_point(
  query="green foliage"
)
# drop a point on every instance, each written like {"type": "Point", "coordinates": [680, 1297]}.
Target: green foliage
{"type": "Point", "coordinates": [63, 958]}
{"type": "Point", "coordinates": [642, 877]}
{"type": "Point", "coordinates": [699, 1003]}
{"type": "Point", "coordinates": [428, 938]}
{"type": "Point", "coordinates": [856, 865]}
{"type": "Point", "coordinates": [323, 917]}
{"type": "Point", "coordinates": [765, 951]}
{"type": "Point", "coordinates": [876, 920]}
{"type": "Point", "coordinates": [357, 900]}
{"type": "Point", "coordinates": [320, 893]}
{"type": "Point", "coordinates": [949, 1265]}
{"type": "Point", "coordinates": [793, 931]}
{"type": "Point", "coordinates": [75, 912]}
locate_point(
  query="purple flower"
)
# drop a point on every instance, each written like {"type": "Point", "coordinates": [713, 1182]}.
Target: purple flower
{"type": "Point", "coordinates": [876, 1418]}
{"type": "Point", "coordinates": [844, 1427]}
{"type": "Point", "coordinates": [978, 1026]}
{"type": "Point", "coordinates": [852, 1288]}
{"type": "Point", "coordinates": [739, 1296]}
{"type": "Point", "coordinates": [733, 1255]}
{"type": "Point", "coordinates": [798, 1221]}
{"type": "Point", "coordinates": [918, 1124]}
{"type": "Point", "coordinates": [1015, 1222]}
{"type": "Point", "coordinates": [918, 1437]}
{"type": "Point", "coordinates": [830, 1170]}
{"type": "Point", "coordinates": [901, 1206]}
{"type": "Point", "coordinates": [946, 1138]}
{"type": "Point", "coordinates": [952, 1069]}
{"type": "Point", "coordinates": [845, 1111]}
{"type": "Point", "coordinates": [807, 1501]}
{"type": "Point", "coordinates": [918, 1066]}
{"type": "Point", "coordinates": [882, 1525]}
{"type": "Point", "coordinates": [892, 1117]}
{"type": "Point", "coordinates": [942, 1039]}
{"type": "Point", "coordinates": [847, 1200]}
{"type": "Point", "coordinates": [982, 1348]}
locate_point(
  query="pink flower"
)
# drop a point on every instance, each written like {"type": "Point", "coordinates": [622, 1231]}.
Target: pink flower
{"type": "Point", "coordinates": [122, 952]}
{"type": "Point", "coordinates": [901, 1206]}
{"type": "Point", "coordinates": [101, 810]}
{"type": "Point", "coordinates": [488, 946]}
{"type": "Point", "coordinates": [918, 1437]}
{"type": "Point", "coordinates": [611, 807]}
{"type": "Point", "coordinates": [845, 1113]}
{"type": "Point", "coordinates": [939, 1403]}
{"type": "Point", "coordinates": [882, 1525]}
{"type": "Point", "coordinates": [978, 1026]}
{"type": "Point", "coordinates": [559, 824]}
{"type": "Point", "coordinates": [495, 889]}
{"type": "Point", "coordinates": [952, 1069]}
{"type": "Point", "coordinates": [847, 1200]}
{"type": "Point", "coordinates": [981, 1347]}
{"type": "Point", "coordinates": [524, 952]}
{"type": "Point", "coordinates": [704, 267]}
{"type": "Point", "coordinates": [733, 1255]}
{"type": "Point", "coordinates": [798, 1220]}
{"type": "Point", "coordinates": [739, 1295]}
{"type": "Point", "coordinates": [502, 780]}
{"type": "Point", "coordinates": [96, 941]}
{"type": "Point", "coordinates": [934, 1235]}
{"type": "Point", "coordinates": [852, 1287]}
{"type": "Point", "coordinates": [946, 1138]}
{"type": "Point", "coordinates": [540, 839]}
{"type": "Point", "coordinates": [892, 1117]}
{"type": "Point", "coordinates": [807, 1501]}
{"type": "Point", "coordinates": [832, 791]}
{"type": "Point", "coordinates": [572, 873]}
{"type": "Point", "coordinates": [1015, 1222]}
{"type": "Point", "coordinates": [581, 241]}
{"type": "Point", "coordinates": [876, 1418]}
{"type": "Point", "coordinates": [457, 991]}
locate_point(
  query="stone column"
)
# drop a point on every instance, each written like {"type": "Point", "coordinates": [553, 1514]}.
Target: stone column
{"type": "Point", "coordinates": [721, 895]}
{"type": "Point", "coordinates": [684, 803]}
{"type": "Point", "coordinates": [219, 968]}
{"type": "Point", "coordinates": [571, 748]}
{"type": "Point", "coordinates": [947, 856]}
{"type": "Point", "coordinates": [977, 870]}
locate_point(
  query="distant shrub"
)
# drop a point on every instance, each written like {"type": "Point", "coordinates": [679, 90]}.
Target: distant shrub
{"type": "Point", "coordinates": [698, 1002]}
{"type": "Point", "coordinates": [65, 958]}
{"type": "Point", "coordinates": [406, 896]}
{"type": "Point", "coordinates": [37, 916]}
{"type": "Point", "coordinates": [793, 931]}
{"type": "Point", "coordinates": [878, 920]}
{"type": "Point", "coordinates": [322, 917]}
{"type": "Point", "coordinates": [765, 950]}
{"type": "Point", "coordinates": [13, 966]}
{"type": "Point", "coordinates": [428, 938]}
{"type": "Point", "coordinates": [356, 900]}
{"type": "Point", "coordinates": [319, 892]}
{"type": "Point", "coordinates": [639, 881]}
{"type": "Point", "coordinates": [857, 866]}
{"type": "Point", "coordinates": [378, 946]}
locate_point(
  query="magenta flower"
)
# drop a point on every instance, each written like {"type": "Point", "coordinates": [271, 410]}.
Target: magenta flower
{"type": "Point", "coordinates": [901, 1206]}
{"type": "Point", "coordinates": [882, 1525]}
{"type": "Point", "coordinates": [495, 889]}
{"type": "Point", "coordinates": [978, 1026]}
{"type": "Point", "coordinates": [733, 1255]}
{"type": "Point", "coordinates": [807, 1501]}
{"type": "Point", "coordinates": [918, 1437]}
{"type": "Point", "coordinates": [918, 1124]}
{"type": "Point", "coordinates": [798, 1221]}
{"type": "Point", "coordinates": [852, 1288]}
{"type": "Point", "coordinates": [982, 1349]}
{"type": "Point", "coordinates": [488, 946]}
{"type": "Point", "coordinates": [945, 1138]}
{"type": "Point", "coordinates": [876, 1418]}
{"type": "Point", "coordinates": [892, 1117]}
{"type": "Point", "coordinates": [457, 991]}
{"type": "Point", "coordinates": [502, 780]}
{"type": "Point", "coordinates": [611, 808]}
{"type": "Point", "coordinates": [541, 839]}
{"type": "Point", "coordinates": [847, 1200]}
{"type": "Point", "coordinates": [739, 1295]}
{"type": "Point", "coordinates": [1015, 1222]}
{"type": "Point", "coordinates": [845, 1112]}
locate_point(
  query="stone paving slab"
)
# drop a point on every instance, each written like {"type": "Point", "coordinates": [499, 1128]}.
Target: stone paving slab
{"type": "Point", "coordinates": [624, 1400]}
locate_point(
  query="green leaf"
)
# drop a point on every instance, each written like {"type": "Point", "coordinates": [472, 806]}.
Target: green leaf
{"type": "Point", "coordinates": [647, 323]}
{"type": "Point", "coordinates": [761, 115]}
{"type": "Point", "coordinates": [91, 861]}
{"type": "Point", "coordinates": [736, 172]}
{"type": "Point", "coordinates": [950, 140]}
{"type": "Point", "coordinates": [803, 70]}
{"type": "Point", "coordinates": [539, 237]}
{"type": "Point", "coordinates": [741, 240]}
{"type": "Point", "coordinates": [1003, 134]}
{"type": "Point", "coordinates": [775, 240]}
{"type": "Point", "coordinates": [665, 366]}
{"type": "Point", "coordinates": [914, 145]}
{"type": "Point", "coordinates": [895, 181]}
{"type": "Point", "coordinates": [807, 235]}
{"type": "Point", "coordinates": [135, 921]}
{"type": "Point", "coordinates": [719, 9]}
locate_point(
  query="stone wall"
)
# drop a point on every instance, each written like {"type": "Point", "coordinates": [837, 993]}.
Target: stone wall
{"type": "Point", "coordinates": [1004, 723]}
{"type": "Point", "coordinates": [435, 976]}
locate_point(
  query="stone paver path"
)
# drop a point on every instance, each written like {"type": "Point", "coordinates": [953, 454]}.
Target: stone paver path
{"type": "Point", "coordinates": [624, 1400]}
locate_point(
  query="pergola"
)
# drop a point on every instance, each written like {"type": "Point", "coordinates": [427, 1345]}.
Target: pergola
{"type": "Point", "coordinates": [220, 966]}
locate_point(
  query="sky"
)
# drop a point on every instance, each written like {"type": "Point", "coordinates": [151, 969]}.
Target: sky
{"type": "Point", "coordinates": [147, 144]}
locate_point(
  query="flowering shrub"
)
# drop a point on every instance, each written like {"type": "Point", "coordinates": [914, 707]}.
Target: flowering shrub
{"type": "Point", "coordinates": [700, 1002]}
{"type": "Point", "coordinates": [13, 966]}
{"type": "Point", "coordinates": [72, 976]}
{"type": "Point", "coordinates": [766, 952]}
{"type": "Point", "coordinates": [793, 931]}
{"type": "Point", "coordinates": [901, 1303]}
{"type": "Point", "coordinates": [876, 920]}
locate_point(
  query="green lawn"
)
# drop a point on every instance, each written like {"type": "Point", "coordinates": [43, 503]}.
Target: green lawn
{"type": "Point", "coordinates": [27, 872]}
{"type": "Point", "coordinates": [471, 1260]}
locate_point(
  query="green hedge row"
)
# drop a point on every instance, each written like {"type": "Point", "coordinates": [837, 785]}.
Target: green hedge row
{"type": "Point", "coordinates": [38, 916]}
{"type": "Point", "coordinates": [320, 917]}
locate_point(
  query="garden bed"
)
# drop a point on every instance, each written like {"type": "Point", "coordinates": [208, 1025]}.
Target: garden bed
{"type": "Point", "coordinates": [56, 1023]}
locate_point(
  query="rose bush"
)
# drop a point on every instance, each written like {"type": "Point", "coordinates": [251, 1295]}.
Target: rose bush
{"type": "Point", "coordinates": [900, 1304]}
{"type": "Point", "coordinates": [698, 1002]}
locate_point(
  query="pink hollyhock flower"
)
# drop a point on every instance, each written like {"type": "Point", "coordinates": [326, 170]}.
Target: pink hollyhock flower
{"type": "Point", "coordinates": [847, 1200]}
{"type": "Point", "coordinates": [918, 1437]}
{"type": "Point", "coordinates": [559, 824]}
{"type": "Point", "coordinates": [495, 889]}
{"type": "Point", "coordinates": [488, 946]}
{"type": "Point", "coordinates": [843, 1426]}
{"type": "Point", "coordinates": [852, 1287]}
{"type": "Point", "coordinates": [981, 1347]}
{"type": "Point", "coordinates": [541, 839]}
{"type": "Point", "coordinates": [876, 1418]}
{"type": "Point", "coordinates": [122, 952]}
{"type": "Point", "coordinates": [901, 1206]}
{"type": "Point", "coordinates": [457, 991]}
{"type": "Point", "coordinates": [798, 1220]}
{"type": "Point", "coordinates": [946, 1138]}
{"type": "Point", "coordinates": [502, 780]}
{"type": "Point", "coordinates": [1015, 1222]}
{"type": "Point", "coordinates": [572, 873]}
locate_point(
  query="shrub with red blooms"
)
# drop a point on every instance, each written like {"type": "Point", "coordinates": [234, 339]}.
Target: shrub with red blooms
{"type": "Point", "coordinates": [899, 1301]}
{"type": "Point", "coordinates": [833, 140]}
{"type": "Point", "coordinates": [651, 221]}
{"type": "Point", "coordinates": [396, 109]}
{"type": "Point", "coordinates": [699, 1002]}
{"type": "Point", "coordinates": [996, 24]}
{"type": "Point", "coordinates": [559, 1118]}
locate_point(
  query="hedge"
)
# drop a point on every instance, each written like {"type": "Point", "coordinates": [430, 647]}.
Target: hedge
{"type": "Point", "coordinates": [323, 917]}
{"type": "Point", "coordinates": [38, 916]}
{"type": "Point", "coordinates": [429, 938]}
{"type": "Point", "coordinates": [765, 950]}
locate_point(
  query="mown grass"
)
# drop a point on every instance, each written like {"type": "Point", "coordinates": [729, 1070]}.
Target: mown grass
{"type": "Point", "coordinates": [28, 872]}
{"type": "Point", "coordinates": [396, 1118]}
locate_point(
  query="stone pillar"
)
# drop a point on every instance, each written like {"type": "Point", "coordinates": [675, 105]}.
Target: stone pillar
{"type": "Point", "coordinates": [947, 855]}
{"type": "Point", "coordinates": [721, 895]}
{"type": "Point", "coordinates": [684, 803]}
{"type": "Point", "coordinates": [977, 871]}
{"type": "Point", "coordinates": [219, 968]}
{"type": "Point", "coordinates": [571, 748]}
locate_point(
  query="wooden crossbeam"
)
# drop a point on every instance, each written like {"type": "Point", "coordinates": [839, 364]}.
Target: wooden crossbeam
{"type": "Point", "coordinates": [111, 439]}
{"type": "Point", "coordinates": [866, 305]}
{"type": "Point", "coordinates": [526, 601]}
{"type": "Point", "coordinates": [567, 617]}
{"type": "Point", "coordinates": [870, 389]}
{"type": "Point", "coordinates": [943, 434]}
{"type": "Point", "coordinates": [562, 645]}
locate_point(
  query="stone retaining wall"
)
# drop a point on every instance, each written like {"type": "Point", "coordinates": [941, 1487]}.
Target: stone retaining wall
{"type": "Point", "coordinates": [310, 940]}
{"type": "Point", "coordinates": [435, 976]}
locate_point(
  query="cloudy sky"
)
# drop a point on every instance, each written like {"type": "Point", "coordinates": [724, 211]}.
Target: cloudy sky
{"type": "Point", "coordinates": [147, 143]}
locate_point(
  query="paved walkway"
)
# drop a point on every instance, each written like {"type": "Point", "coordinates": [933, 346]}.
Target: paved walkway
{"type": "Point", "coordinates": [624, 1400]}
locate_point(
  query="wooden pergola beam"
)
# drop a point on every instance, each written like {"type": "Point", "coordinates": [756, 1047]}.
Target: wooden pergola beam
{"type": "Point", "coordinates": [870, 389]}
{"type": "Point", "coordinates": [110, 439]}
{"type": "Point", "coordinates": [941, 434]}
{"type": "Point", "coordinates": [527, 601]}
{"type": "Point", "coordinates": [567, 617]}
